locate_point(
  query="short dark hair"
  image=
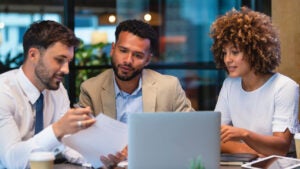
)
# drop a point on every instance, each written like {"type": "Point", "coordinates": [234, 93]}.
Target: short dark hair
{"type": "Point", "coordinates": [140, 29]}
{"type": "Point", "coordinates": [251, 32]}
{"type": "Point", "coordinates": [42, 34]}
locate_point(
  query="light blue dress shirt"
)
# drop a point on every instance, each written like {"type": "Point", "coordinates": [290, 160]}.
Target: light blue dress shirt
{"type": "Point", "coordinates": [128, 103]}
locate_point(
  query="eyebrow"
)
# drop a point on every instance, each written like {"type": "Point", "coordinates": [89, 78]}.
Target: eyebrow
{"type": "Point", "coordinates": [65, 57]}
{"type": "Point", "coordinates": [139, 52]}
{"type": "Point", "coordinates": [232, 47]}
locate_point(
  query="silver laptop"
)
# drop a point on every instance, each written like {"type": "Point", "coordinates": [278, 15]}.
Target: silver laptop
{"type": "Point", "coordinates": [172, 140]}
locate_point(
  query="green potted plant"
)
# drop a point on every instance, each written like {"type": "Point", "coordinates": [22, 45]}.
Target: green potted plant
{"type": "Point", "coordinates": [87, 56]}
{"type": "Point", "coordinates": [196, 163]}
{"type": "Point", "coordinates": [9, 62]}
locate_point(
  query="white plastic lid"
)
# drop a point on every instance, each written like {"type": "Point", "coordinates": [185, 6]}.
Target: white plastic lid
{"type": "Point", "coordinates": [41, 156]}
{"type": "Point", "coordinates": [297, 136]}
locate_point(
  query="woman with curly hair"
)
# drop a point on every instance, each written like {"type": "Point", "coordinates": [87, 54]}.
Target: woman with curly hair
{"type": "Point", "coordinates": [259, 106]}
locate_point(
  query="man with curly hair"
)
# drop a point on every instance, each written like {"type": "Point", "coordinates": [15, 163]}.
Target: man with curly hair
{"type": "Point", "coordinates": [259, 106]}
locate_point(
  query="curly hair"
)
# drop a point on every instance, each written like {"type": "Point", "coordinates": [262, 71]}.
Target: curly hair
{"type": "Point", "coordinates": [140, 29]}
{"type": "Point", "coordinates": [251, 32]}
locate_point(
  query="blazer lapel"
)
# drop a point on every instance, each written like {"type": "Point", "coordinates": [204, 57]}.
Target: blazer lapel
{"type": "Point", "coordinates": [108, 97]}
{"type": "Point", "coordinates": [149, 92]}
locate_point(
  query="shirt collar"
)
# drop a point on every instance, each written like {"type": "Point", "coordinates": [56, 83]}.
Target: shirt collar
{"type": "Point", "coordinates": [28, 88]}
{"type": "Point", "coordinates": [119, 92]}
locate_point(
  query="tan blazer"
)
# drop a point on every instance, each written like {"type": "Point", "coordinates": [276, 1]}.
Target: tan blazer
{"type": "Point", "coordinates": [160, 93]}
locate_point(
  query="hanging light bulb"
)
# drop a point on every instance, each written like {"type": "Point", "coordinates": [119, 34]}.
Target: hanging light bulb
{"type": "Point", "coordinates": [112, 18]}
{"type": "Point", "coordinates": [147, 17]}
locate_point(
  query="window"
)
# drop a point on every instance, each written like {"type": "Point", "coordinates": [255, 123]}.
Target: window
{"type": "Point", "coordinates": [183, 27]}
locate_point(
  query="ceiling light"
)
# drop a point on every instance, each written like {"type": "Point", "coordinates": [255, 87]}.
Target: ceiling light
{"type": "Point", "coordinates": [112, 18]}
{"type": "Point", "coordinates": [147, 17]}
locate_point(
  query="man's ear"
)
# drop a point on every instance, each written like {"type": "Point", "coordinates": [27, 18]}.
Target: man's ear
{"type": "Point", "coordinates": [113, 46]}
{"type": "Point", "coordinates": [148, 61]}
{"type": "Point", "coordinates": [33, 54]}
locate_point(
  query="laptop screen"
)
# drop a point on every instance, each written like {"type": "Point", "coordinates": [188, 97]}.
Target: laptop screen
{"type": "Point", "coordinates": [174, 140]}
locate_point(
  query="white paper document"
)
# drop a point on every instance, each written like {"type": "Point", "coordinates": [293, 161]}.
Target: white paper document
{"type": "Point", "coordinates": [106, 136]}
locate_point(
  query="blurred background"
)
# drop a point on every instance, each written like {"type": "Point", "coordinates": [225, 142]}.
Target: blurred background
{"type": "Point", "coordinates": [183, 28]}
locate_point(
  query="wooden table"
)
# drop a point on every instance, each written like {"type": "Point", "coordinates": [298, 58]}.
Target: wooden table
{"type": "Point", "coordinates": [72, 166]}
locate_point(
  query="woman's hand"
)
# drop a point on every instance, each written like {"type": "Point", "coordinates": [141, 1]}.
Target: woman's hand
{"type": "Point", "coordinates": [230, 133]}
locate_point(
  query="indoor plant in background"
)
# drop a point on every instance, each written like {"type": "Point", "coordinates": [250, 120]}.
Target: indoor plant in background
{"type": "Point", "coordinates": [90, 59]}
{"type": "Point", "coordinates": [9, 62]}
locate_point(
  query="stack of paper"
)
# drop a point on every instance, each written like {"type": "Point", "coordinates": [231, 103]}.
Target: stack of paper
{"type": "Point", "coordinates": [106, 136]}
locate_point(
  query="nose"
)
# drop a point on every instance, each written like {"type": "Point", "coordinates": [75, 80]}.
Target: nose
{"type": "Point", "coordinates": [65, 68]}
{"type": "Point", "coordinates": [129, 58]}
{"type": "Point", "coordinates": [227, 58]}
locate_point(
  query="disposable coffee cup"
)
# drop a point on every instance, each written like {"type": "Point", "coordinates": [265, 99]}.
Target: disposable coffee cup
{"type": "Point", "coordinates": [297, 143]}
{"type": "Point", "coordinates": [41, 160]}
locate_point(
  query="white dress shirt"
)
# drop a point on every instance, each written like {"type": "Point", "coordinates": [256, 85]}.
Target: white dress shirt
{"type": "Point", "coordinates": [17, 119]}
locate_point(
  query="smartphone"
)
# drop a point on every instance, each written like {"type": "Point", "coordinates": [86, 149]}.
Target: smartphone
{"type": "Point", "coordinates": [273, 162]}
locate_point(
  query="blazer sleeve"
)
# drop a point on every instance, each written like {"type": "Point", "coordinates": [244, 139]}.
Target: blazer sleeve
{"type": "Point", "coordinates": [181, 102]}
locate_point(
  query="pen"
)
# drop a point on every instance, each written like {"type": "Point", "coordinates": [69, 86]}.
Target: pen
{"type": "Point", "coordinates": [77, 105]}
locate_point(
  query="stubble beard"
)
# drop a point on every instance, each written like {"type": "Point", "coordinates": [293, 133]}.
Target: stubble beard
{"type": "Point", "coordinates": [135, 73]}
{"type": "Point", "coordinates": [44, 77]}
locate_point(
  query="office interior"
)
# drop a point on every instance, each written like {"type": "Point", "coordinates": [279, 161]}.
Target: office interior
{"type": "Point", "coordinates": [183, 28]}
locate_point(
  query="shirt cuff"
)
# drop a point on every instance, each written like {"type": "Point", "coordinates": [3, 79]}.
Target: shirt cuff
{"type": "Point", "coordinates": [47, 140]}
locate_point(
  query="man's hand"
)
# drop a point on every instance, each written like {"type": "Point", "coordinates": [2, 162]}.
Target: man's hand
{"type": "Point", "coordinates": [111, 161]}
{"type": "Point", "coordinates": [74, 120]}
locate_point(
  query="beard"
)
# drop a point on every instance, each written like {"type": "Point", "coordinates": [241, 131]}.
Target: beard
{"type": "Point", "coordinates": [125, 77]}
{"type": "Point", "coordinates": [45, 78]}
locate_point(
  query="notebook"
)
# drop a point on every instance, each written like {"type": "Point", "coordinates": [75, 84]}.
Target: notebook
{"type": "Point", "coordinates": [173, 140]}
